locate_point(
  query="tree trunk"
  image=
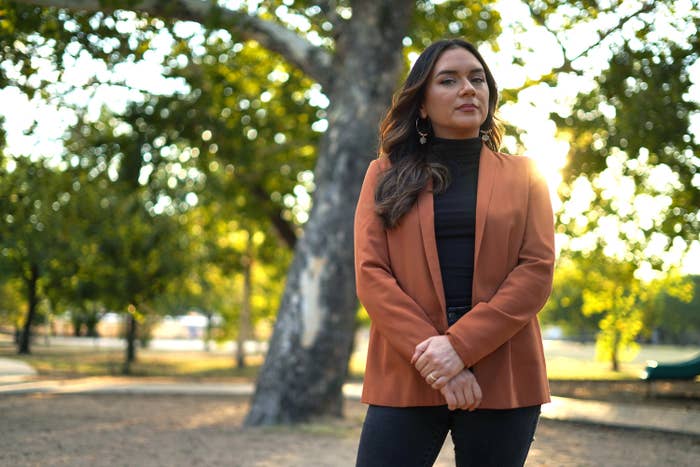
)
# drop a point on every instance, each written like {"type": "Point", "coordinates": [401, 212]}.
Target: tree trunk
{"type": "Point", "coordinates": [308, 354]}
{"type": "Point", "coordinates": [32, 300]}
{"type": "Point", "coordinates": [130, 355]}
{"type": "Point", "coordinates": [244, 318]}
{"type": "Point", "coordinates": [47, 332]}
{"type": "Point", "coordinates": [614, 353]}
{"type": "Point", "coordinates": [91, 320]}
{"type": "Point", "coordinates": [77, 323]}
{"type": "Point", "coordinates": [208, 332]}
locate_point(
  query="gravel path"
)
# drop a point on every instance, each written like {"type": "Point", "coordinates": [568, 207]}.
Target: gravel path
{"type": "Point", "coordinates": [123, 430]}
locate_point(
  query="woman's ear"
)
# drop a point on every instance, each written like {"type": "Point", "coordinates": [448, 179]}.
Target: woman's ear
{"type": "Point", "coordinates": [423, 113]}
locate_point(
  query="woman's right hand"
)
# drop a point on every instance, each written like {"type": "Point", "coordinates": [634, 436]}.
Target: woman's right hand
{"type": "Point", "coordinates": [462, 391]}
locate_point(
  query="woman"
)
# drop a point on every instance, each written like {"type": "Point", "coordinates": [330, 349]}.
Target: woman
{"type": "Point", "coordinates": [454, 255]}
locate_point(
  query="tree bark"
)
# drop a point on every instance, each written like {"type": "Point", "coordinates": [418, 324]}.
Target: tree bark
{"type": "Point", "coordinates": [77, 323]}
{"type": "Point", "coordinates": [308, 354]}
{"type": "Point", "coordinates": [244, 318]}
{"type": "Point", "coordinates": [25, 337]}
{"type": "Point", "coordinates": [93, 318]}
{"type": "Point", "coordinates": [130, 354]}
{"type": "Point", "coordinates": [614, 354]}
{"type": "Point", "coordinates": [208, 332]}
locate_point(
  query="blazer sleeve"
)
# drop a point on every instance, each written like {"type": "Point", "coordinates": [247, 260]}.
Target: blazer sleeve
{"type": "Point", "coordinates": [523, 293]}
{"type": "Point", "coordinates": [395, 314]}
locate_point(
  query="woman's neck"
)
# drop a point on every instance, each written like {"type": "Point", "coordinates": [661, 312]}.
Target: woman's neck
{"type": "Point", "coordinates": [444, 147]}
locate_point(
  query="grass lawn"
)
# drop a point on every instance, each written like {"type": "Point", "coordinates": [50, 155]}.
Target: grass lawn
{"type": "Point", "coordinates": [565, 361]}
{"type": "Point", "coordinates": [573, 360]}
{"type": "Point", "coordinates": [558, 367]}
{"type": "Point", "coordinates": [67, 361]}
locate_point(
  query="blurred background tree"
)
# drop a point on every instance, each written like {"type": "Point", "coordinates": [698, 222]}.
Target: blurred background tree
{"type": "Point", "coordinates": [630, 191]}
{"type": "Point", "coordinates": [676, 320]}
{"type": "Point", "coordinates": [596, 295]}
{"type": "Point", "coordinates": [33, 234]}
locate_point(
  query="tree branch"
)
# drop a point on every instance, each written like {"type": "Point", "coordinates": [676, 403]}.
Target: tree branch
{"type": "Point", "coordinates": [645, 8]}
{"type": "Point", "coordinates": [329, 9]}
{"type": "Point", "coordinates": [567, 66]}
{"type": "Point", "coordinates": [311, 59]}
{"type": "Point", "coordinates": [540, 19]}
{"type": "Point", "coordinates": [284, 228]}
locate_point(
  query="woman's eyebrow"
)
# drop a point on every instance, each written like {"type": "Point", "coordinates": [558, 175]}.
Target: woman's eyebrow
{"type": "Point", "coordinates": [455, 72]}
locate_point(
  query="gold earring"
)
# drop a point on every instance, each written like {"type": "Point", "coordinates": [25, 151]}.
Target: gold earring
{"type": "Point", "coordinates": [422, 133]}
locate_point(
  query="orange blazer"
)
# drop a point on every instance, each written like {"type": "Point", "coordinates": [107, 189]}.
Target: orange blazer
{"type": "Point", "coordinates": [400, 285]}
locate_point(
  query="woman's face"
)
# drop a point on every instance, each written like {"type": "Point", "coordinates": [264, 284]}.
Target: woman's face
{"type": "Point", "coordinates": [456, 95]}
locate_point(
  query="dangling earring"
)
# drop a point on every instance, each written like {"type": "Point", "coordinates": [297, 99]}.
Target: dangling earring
{"type": "Point", "coordinates": [422, 133]}
{"type": "Point", "coordinates": [484, 135]}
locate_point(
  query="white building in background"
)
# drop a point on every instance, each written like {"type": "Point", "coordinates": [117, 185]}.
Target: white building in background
{"type": "Point", "coordinates": [191, 325]}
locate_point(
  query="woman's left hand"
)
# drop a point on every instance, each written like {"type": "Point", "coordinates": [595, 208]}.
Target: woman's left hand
{"type": "Point", "coordinates": [437, 361]}
{"type": "Point", "coordinates": [462, 392]}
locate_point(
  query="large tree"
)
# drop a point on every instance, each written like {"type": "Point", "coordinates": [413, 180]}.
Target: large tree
{"type": "Point", "coordinates": [357, 59]}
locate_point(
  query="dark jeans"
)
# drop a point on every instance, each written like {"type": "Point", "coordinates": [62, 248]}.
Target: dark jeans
{"type": "Point", "coordinates": [413, 436]}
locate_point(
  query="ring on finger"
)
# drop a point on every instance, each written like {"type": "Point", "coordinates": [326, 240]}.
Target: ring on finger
{"type": "Point", "coordinates": [431, 379]}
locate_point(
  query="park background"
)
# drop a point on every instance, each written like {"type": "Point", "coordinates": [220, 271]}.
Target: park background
{"type": "Point", "coordinates": [177, 182]}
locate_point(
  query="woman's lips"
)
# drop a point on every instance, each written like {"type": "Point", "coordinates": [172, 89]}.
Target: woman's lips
{"type": "Point", "coordinates": [467, 107]}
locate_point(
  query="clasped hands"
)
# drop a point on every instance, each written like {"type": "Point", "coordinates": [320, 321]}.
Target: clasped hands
{"type": "Point", "coordinates": [443, 369]}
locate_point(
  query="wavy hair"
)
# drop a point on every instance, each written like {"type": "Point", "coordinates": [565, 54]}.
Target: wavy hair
{"type": "Point", "coordinates": [410, 170]}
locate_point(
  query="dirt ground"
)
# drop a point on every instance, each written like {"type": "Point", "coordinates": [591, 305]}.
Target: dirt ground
{"type": "Point", "coordinates": [127, 430]}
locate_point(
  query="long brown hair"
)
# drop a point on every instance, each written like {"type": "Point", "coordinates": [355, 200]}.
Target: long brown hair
{"type": "Point", "coordinates": [410, 170]}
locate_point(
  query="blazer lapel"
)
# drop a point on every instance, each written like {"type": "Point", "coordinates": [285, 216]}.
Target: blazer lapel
{"type": "Point", "coordinates": [427, 228]}
{"type": "Point", "coordinates": [487, 172]}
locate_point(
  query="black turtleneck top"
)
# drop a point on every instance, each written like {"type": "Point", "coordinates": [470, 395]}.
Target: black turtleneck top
{"type": "Point", "coordinates": [455, 216]}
